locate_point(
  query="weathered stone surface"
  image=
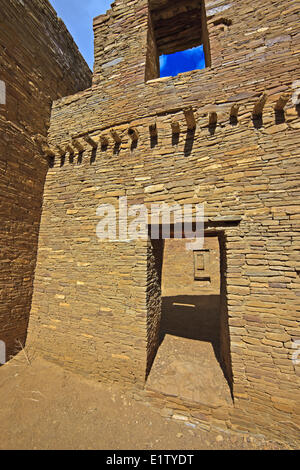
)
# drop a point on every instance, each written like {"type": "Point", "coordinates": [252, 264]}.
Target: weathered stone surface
{"type": "Point", "coordinates": [244, 170]}
{"type": "Point", "coordinates": [39, 62]}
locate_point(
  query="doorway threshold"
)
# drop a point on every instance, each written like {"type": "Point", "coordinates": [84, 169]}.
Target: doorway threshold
{"type": "Point", "coordinates": [188, 369]}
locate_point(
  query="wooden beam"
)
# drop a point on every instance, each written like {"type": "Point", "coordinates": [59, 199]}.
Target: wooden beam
{"type": "Point", "coordinates": [234, 110]}
{"type": "Point", "coordinates": [78, 145]}
{"type": "Point", "coordinates": [175, 127]}
{"type": "Point", "coordinates": [70, 149]}
{"type": "Point", "coordinates": [260, 104]}
{"type": "Point", "coordinates": [213, 119]}
{"type": "Point", "coordinates": [104, 140]}
{"type": "Point", "coordinates": [190, 119]}
{"type": "Point", "coordinates": [282, 102]}
{"type": "Point", "coordinates": [116, 137]}
{"type": "Point", "coordinates": [92, 142]}
{"type": "Point", "coordinates": [133, 134]}
{"type": "Point", "coordinates": [48, 151]}
{"type": "Point", "coordinates": [61, 150]}
{"type": "Point", "coordinates": [153, 130]}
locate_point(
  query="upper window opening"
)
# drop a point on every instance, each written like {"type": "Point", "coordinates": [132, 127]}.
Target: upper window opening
{"type": "Point", "coordinates": [177, 37]}
{"type": "Point", "coordinates": [183, 61]}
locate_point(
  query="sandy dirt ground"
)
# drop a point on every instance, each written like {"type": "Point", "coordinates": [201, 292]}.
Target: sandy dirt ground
{"type": "Point", "coordinates": [42, 406]}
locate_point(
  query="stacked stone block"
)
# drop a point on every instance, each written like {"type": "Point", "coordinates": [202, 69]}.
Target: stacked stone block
{"type": "Point", "coordinates": [92, 299]}
{"type": "Point", "coordinates": [39, 62]}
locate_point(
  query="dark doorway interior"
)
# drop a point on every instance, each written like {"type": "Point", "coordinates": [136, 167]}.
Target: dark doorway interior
{"type": "Point", "coordinates": [191, 360]}
{"type": "Point", "coordinates": [194, 317]}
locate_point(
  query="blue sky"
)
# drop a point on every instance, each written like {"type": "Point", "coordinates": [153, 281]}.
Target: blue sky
{"type": "Point", "coordinates": [78, 16]}
{"type": "Point", "coordinates": [173, 64]}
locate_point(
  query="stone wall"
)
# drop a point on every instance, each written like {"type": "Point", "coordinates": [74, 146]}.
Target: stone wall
{"type": "Point", "coordinates": [154, 301]}
{"type": "Point", "coordinates": [39, 62]}
{"type": "Point", "coordinates": [179, 276]}
{"type": "Point", "coordinates": [257, 53]}
{"type": "Point", "coordinates": [231, 151]}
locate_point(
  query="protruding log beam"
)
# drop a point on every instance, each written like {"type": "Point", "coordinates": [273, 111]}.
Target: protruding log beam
{"type": "Point", "coordinates": [234, 111]}
{"type": "Point", "coordinates": [153, 130]}
{"type": "Point", "coordinates": [78, 145]}
{"type": "Point", "coordinates": [259, 105]}
{"type": "Point", "coordinates": [40, 139]}
{"type": "Point", "coordinates": [89, 140]}
{"type": "Point", "coordinates": [175, 127]}
{"type": "Point", "coordinates": [282, 102]}
{"type": "Point", "coordinates": [61, 150]}
{"type": "Point", "coordinates": [103, 140]}
{"type": "Point", "coordinates": [42, 142]}
{"type": "Point", "coordinates": [213, 119]}
{"type": "Point", "coordinates": [70, 149]}
{"type": "Point", "coordinates": [116, 137]}
{"type": "Point", "coordinates": [190, 119]}
{"type": "Point", "coordinates": [133, 134]}
{"type": "Point", "coordinates": [47, 151]}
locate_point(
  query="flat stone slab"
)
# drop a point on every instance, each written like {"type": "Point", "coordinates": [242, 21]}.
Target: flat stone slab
{"type": "Point", "coordinates": [189, 369]}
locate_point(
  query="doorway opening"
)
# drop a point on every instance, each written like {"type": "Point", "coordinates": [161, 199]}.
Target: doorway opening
{"type": "Point", "coordinates": [190, 357]}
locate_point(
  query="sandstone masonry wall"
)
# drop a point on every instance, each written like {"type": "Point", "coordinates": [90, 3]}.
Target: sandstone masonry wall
{"type": "Point", "coordinates": [178, 277]}
{"type": "Point", "coordinates": [39, 62]}
{"type": "Point", "coordinates": [90, 305]}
